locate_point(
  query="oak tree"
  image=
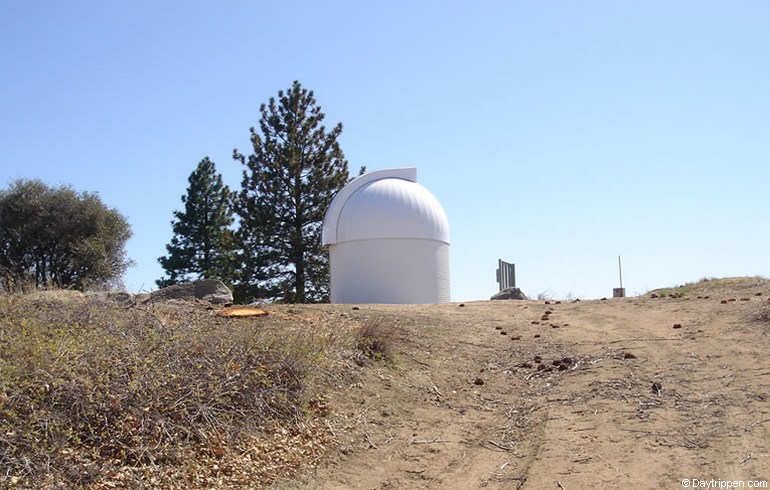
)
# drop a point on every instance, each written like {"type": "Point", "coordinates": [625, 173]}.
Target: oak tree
{"type": "Point", "coordinates": [58, 237]}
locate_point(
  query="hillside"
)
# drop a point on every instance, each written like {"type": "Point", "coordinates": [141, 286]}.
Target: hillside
{"type": "Point", "coordinates": [506, 395]}
{"type": "Point", "coordinates": [645, 391]}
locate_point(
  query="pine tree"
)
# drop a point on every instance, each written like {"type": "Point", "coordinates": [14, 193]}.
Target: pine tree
{"type": "Point", "coordinates": [203, 243]}
{"type": "Point", "coordinates": [288, 182]}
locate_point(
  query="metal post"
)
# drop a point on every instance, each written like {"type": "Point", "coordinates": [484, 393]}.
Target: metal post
{"type": "Point", "coordinates": [619, 292]}
{"type": "Point", "coordinates": [500, 273]}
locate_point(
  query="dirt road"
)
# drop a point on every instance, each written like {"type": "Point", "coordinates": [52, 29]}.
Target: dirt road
{"type": "Point", "coordinates": [624, 393]}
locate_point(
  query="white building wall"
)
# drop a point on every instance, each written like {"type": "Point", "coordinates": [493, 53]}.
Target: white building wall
{"type": "Point", "coordinates": [392, 270]}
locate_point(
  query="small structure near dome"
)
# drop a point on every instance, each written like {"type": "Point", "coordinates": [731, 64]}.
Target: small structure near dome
{"type": "Point", "coordinates": [388, 240]}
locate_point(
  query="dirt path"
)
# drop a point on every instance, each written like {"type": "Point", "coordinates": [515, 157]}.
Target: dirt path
{"type": "Point", "coordinates": [622, 397]}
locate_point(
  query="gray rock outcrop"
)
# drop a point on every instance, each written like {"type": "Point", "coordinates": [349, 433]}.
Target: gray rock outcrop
{"type": "Point", "coordinates": [510, 293]}
{"type": "Point", "coordinates": [120, 297]}
{"type": "Point", "coordinates": [210, 290]}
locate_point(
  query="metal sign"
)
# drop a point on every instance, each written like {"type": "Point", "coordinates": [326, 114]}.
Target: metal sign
{"type": "Point", "coordinates": [506, 274]}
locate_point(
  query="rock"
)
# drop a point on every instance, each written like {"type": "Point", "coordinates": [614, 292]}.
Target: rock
{"type": "Point", "coordinates": [656, 388]}
{"type": "Point", "coordinates": [478, 381]}
{"type": "Point", "coordinates": [210, 290]}
{"type": "Point", "coordinates": [509, 293]}
{"type": "Point", "coordinates": [122, 297]}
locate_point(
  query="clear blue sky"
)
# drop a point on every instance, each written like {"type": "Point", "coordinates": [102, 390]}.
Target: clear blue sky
{"type": "Point", "coordinates": [556, 134]}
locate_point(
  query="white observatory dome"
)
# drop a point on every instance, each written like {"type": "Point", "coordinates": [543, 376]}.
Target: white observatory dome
{"type": "Point", "coordinates": [388, 240]}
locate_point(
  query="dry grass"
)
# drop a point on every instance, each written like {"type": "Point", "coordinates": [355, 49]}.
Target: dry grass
{"type": "Point", "coordinates": [712, 286]}
{"type": "Point", "coordinates": [377, 338]}
{"type": "Point", "coordinates": [102, 396]}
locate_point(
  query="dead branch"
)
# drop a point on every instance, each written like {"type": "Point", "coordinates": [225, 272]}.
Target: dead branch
{"type": "Point", "coordinates": [751, 426]}
{"type": "Point", "coordinates": [429, 441]}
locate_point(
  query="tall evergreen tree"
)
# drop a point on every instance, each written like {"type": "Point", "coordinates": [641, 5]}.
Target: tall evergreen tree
{"type": "Point", "coordinates": [288, 182]}
{"type": "Point", "coordinates": [203, 243]}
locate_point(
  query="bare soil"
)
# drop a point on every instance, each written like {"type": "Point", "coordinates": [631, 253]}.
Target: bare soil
{"type": "Point", "coordinates": [636, 392]}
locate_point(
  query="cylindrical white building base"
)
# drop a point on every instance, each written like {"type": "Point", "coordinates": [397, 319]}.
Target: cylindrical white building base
{"type": "Point", "coordinates": [395, 270]}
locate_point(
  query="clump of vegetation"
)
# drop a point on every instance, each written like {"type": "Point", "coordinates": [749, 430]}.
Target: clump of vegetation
{"type": "Point", "coordinates": [169, 397]}
{"type": "Point", "coordinates": [762, 315]}
{"type": "Point", "coordinates": [711, 285]}
{"type": "Point", "coordinates": [376, 340]}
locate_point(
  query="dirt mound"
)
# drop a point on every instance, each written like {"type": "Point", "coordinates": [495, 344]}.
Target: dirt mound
{"type": "Point", "coordinates": [643, 391]}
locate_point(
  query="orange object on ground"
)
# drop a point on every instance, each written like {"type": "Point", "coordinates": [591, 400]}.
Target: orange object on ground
{"type": "Point", "coordinates": [239, 311]}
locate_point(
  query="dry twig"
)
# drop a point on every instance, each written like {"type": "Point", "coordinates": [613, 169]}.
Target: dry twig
{"type": "Point", "coordinates": [500, 446]}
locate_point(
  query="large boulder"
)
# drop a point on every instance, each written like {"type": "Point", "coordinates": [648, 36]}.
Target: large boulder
{"type": "Point", "coordinates": [210, 290]}
{"type": "Point", "coordinates": [510, 293]}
